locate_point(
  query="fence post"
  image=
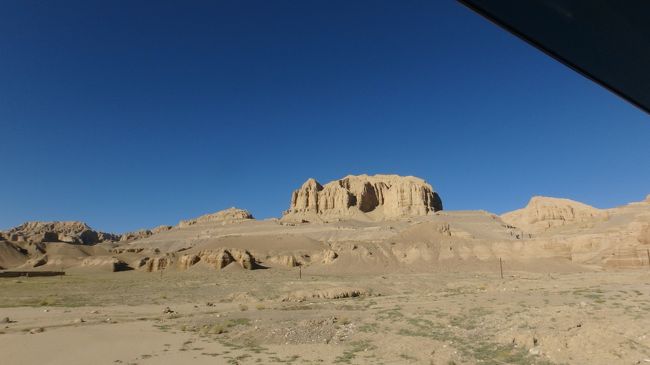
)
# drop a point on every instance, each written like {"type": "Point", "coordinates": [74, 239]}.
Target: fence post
{"type": "Point", "coordinates": [501, 267]}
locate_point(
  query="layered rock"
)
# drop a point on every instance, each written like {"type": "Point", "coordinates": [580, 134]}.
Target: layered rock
{"type": "Point", "coordinates": [143, 233]}
{"type": "Point", "coordinates": [156, 263]}
{"type": "Point", "coordinates": [70, 232]}
{"type": "Point", "coordinates": [159, 229]}
{"type": "Point", "coordinates": [644, 236]}
{"type": "Point", "coordinates": [329, 256]}
{"type": "Point", "coordinates": [284, 260]}
{"type": "Point", "coordinates": [543, 213]}
{"type": "Point", "coordinates": [112, 264]}
{"type": "Point", "coordinates": [136, 235]}
{"type": "Point", "coordinates": [385, 196]}
{"type": "Point", "coordinates": [230, 215]}
{"type": "Point", "coordinates": [219, 258]}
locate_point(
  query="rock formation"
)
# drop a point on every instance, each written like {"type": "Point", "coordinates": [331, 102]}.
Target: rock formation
{"type": "Point", "coordinates": [156, 263]}
{"type": "Point", "coordinates": [379, 196]}
{"type": "Point", "coordinates": [284, 260]}
{"type": "Point", "coordinates": [230, 215]}
{"type": "Point", "coordinates": [329, 256]}
{"type": "Point", "coordinates": [162, 228]}
{"type": "Point", "coordinates": [111, 264]}
{"type": "Point", "coordinates": [143, 233]}
{"type": "Point", "coordinates": [644, 236]}
{"type": "Point", "coordinates": [543, 213]}
{"type": "Point", "coordinates": [70, 232]}
{"type": "Point", "coordinates": [136, 235]}
{"type": "Point", "coordinates": [219, 258]}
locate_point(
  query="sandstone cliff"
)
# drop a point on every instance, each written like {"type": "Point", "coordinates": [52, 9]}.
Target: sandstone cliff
{"type": "Point", "coordinates": [230, 215]}
{"type": "Point", "coordinates": [543, 213]}
{"type": "Point", "coordinates": [378, 196]}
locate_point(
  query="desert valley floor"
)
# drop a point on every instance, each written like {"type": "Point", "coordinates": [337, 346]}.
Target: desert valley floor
{"type": "Point", "coordinates": [272, 316]}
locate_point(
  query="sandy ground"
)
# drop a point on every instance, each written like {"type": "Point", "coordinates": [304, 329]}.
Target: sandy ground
{"type": "Point", "coordinates": [269, 316]}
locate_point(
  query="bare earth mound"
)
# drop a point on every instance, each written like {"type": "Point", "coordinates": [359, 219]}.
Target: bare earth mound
{"type": "Point", "coordinates": [543, 213]}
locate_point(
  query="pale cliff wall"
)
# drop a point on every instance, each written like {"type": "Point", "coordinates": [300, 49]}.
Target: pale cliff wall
{"type": "Point", "coordinates": [386, 196]}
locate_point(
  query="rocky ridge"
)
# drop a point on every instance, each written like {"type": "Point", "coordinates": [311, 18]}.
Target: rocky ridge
{"type": "Point", "coordinates": [226, 216]}
{"type": "Point", "coordinates": [69, 232]}
{"type": "Point", "coordinates": [143, 233]}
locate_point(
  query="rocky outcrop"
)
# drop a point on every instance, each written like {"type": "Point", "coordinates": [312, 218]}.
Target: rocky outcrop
{"type": "Point", "coordinates": [644, 236]}
{"type": "Point", "coordinates": [543, 213]}
{"type": "Point", "coordinates": [156, 263]}
{"type": "Point", "coordinates": [379, 196]}
{"type": "Point", "coordinates": [143, 233]}
{"type": "Point", "coordinates": [227, 216]}
{"type": "Point", "coordinates": [284, 260]}
{"type": "Point", "coordinates": [36, 262]}
{"type": "Point", "coordinates": [70, 232]}
{"type": "Point", "coordinates": [329, 293]}
{"type": "Point", "coordinates": [159, 229]}
{"type": "Point", "coordinates": [111, 264]}
{"type": "Point", "coordinates": [214, 258]}
{"type": "Point", "coordinates": [136, 235]}
{"type": "Point", "coordinates": [219, 258]}
{"type": "Point", "coordinates": [141, 263]}
{"type": "Point", "coordinates": [329, 256]}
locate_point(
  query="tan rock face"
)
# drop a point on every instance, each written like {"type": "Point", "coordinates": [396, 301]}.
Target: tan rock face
{"type": "Point", "coordinates": [71, 232]}
{"type": "Point", "coordinates": [306, 198]}
{"type": "Point", "coordinates": [543, 213]}
{"type": "Point", "coordinates": [329, 256]}
{"type": "Point", "coordinates": [644, 236]}
{"type": "Point", "coordinates": [388, 196]}
{"type": "Point", "coordinates": [143, 233]}
{"type": "Point", "coordinates": [132, 236]}
{"type": "Point", "coordinates": [107, 263]}
{"type": "Point", "coordinates": [218, 258]}
{"type": "Point", "coordinates": [157, 264]}
{"type": "Point", "coordinates": [162, 228]}
{"type": "Point", "coordinates": [284, 260]}
{"type": "Point", "coordinates": [230, 215]}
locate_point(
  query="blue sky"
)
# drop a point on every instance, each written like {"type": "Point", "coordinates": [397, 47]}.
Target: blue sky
{"type": "Point", "coordinates": [131, 114]}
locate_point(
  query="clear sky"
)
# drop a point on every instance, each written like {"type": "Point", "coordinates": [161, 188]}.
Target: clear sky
{"type": "Point", "coordinates": [132, 114]}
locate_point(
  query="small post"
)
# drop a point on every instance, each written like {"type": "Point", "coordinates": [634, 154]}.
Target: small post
{"type": "Point", "coordinates": [648, 252]}
{"type": "Point", "coordinates": [300, 272]}
{"type": "Point", "coordinates": [501, 267]}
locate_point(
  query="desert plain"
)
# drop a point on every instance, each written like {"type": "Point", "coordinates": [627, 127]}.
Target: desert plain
{"type": "Point", "coordinates": [362, 270]}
